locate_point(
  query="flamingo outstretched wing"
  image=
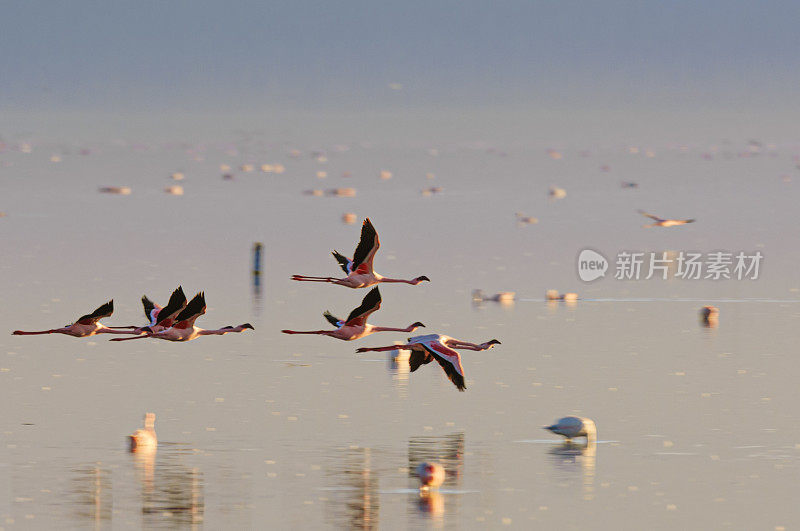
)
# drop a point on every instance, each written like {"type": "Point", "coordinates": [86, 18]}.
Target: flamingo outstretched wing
{"type": "Point", "coordinates": [344, 262]}
{"type": "Point", "coordinates": [103, 311]}
{"type": "Point", "coordinates": [149, 307]}
{"type": "Point", "coordinates": [651, 216]}
{"type": "Point", "coordinates": [449, 360]}
{"type": "Point", "coordinates": [193, 310]}
{"type": "Point", "coordinates": [368, 245]}
{"type": "Point", "coordinates": [177, 302]}
{"type": "Point", "coordinates": [419, 358]}
{"type": "Point", "coordinates": [335, 321]}
{"type": "Point", "coordinates": [370, 304]}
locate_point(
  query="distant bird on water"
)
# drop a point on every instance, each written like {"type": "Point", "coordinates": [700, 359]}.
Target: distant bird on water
{"type": "Point", "coordinates": [431, 475]}
{"type": "Point", "coordinates": [356, 326]}
{"type": "Point", "coordinates": [425, 349]}
{"type": "Point", "coordinates": [144, 440]}
{"type": "Point", "coordinates": [573, 427]}
{"type": "Point", "coordinates": [87, 325]}
{"type": "Point", "coordinates": [184, 329]}
{"type": "Point", "coordinates": [360, 273]}
{"type": "Point", "coordinates": [659, 222]}
{"type": "Point", "coordinates": [709, 316]}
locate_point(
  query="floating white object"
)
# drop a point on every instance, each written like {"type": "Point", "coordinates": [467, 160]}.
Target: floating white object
{"type": "Point", "coordinates": [144, 440]}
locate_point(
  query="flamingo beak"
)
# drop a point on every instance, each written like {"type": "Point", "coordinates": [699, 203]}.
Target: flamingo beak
{"type": "Point", "coordinates": [423, 278]}
{"type": "Point", "coordinates": [248, 325]}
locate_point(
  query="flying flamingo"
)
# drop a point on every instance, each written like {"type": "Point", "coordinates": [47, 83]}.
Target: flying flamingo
{"type": "Point", "coordinates": [88, 325]}
{"type": "Point", "coordinates": [359, 270]}
{"type": "Point", "coordinates": [184, 329]}
{"type": "Point", "coordinates": [425, 349]}
{"type": "Point", "coordinates": [162, 318]}
{"type": "Point", "coordinates": [659, 222]}
{"type": "Point", "coordinates": [356, 327]}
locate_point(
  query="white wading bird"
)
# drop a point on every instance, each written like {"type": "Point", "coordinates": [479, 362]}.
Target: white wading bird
{"type": "Point", "coordinates": [573, 427]}
{"type": "Point", "coordinates": [659, 222]}
{"type": "Point", "coordinates": [356, 327]}
{"type": "Point", "coordinates": [184, 329]}
{"type": "Point", "coordinates": [144, 440]}
{"type": "Point", "coordinates": [425, 349]}
{"type": "Point", "coordinates": [360, 273]}
{"type": "Point", "coordinates": [431, 475]}
{"type": "Point", "coordinates": [87, 325]}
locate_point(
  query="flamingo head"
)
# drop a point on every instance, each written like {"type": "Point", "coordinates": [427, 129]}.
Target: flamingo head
{"type": "Point", "coordinates": [422, 278]}
{"type": "Point", "coordinates": [248, 325]}
{"type": "Point", "coordinates": [417, 325]}
{"type": "Point", "coordinates": [493, 342]}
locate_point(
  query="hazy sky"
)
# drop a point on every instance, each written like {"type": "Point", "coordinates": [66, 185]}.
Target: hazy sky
{"type": "Point", "coordinates": [201, 54]}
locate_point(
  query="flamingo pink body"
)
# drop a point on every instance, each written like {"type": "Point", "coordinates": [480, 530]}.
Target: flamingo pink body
{"type": "Point", "coordinates": [184, 329]}
{"type": "Point", "coordinates": [87, 325]}
{"type": "Point", "coordinates": [360, 272]}
{"type": "Point", "coordinates": [425, 349]}
{"type": "Point", "coordinates": [356, 326]}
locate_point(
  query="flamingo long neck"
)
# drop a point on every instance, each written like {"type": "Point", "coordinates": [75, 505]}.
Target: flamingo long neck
{"type": "Point", "coordinates": [221, 331]}
{"type": "Point", "coordinates": [409, 328]}
{"type": "Point", "coordinates": [399, 280]}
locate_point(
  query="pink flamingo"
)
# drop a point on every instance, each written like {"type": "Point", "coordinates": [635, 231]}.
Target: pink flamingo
{"type": "Point", "coordinates": [162, 318]}
{"type": "Point", "coordinates": [184, 329]}
{"type": "Point", "coordinates": [86, 326]}
{"type": "Point", "coordinates": [425, 349]}
{"type": "Point", "coordinates": [360, 273]}
{"type": "Point", "coordinates": [356, 327]}
{"type": "Point", "coordinates": [660, 222]}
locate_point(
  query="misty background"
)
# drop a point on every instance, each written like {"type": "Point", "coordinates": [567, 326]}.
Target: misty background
{"type": "Point", "coordinates": [579, 67]}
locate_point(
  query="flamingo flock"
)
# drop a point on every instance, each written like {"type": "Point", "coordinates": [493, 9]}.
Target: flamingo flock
{"type": "Point", "coordinates": [361, 274]}
{"type": "Point", "coordinates": [173, 322]}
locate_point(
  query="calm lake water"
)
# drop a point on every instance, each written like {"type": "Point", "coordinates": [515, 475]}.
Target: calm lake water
{"type": "Point", "coordinates": [697, 426]}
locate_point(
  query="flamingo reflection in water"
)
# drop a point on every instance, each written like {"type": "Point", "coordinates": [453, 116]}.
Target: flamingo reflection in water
{"type": "Point", "coordinates": [569, 453]}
